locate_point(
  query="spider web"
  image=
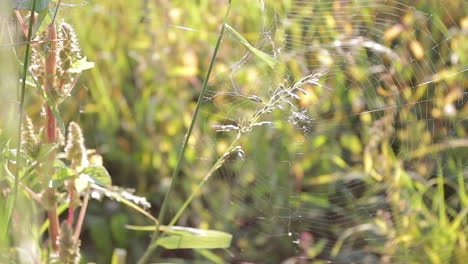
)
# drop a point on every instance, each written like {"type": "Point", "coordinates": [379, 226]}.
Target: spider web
{"type": "Point", "coordinates": [330, 175]}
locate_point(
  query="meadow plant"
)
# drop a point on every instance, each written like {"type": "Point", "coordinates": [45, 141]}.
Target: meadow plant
{"type": "Point", "coordinates": [50, 171]}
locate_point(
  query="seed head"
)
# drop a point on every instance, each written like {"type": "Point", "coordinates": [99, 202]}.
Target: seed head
{"type": "Point", "coordinates": [75, 149]}
{"type": "Point", "coordinates": [37, 67]}
{"type": "Point", "coordinates": [30, 144]}
{"type": "Point", "coordinates": [69, 247]}
{"type": "Point", "coordinates": [69, 50]}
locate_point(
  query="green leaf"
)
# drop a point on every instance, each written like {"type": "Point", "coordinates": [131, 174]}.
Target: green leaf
{"type": "Point", "coordinates": [185, 237]}
{"type": "Point", "coordinates": [59, 164]}
{"type": "Point", "coordinates": [27, 4]}
{"type": "Point", "coordinates": [64, 173]}
{"type": "Point", "coordinates": [6, 212]}
{"type": "Point", "coordinates": [60, 176]}
{"type": "Point", "coordinates": [81, 184]}
{"type": "Point", "coordinates": [50, 104]}
{"type": "Point", "coordinates": [43, 19]}
{"type": "Point", "coordinates": [179, 237]}
{"type": "Point", "coordinates": [81, 65]}
{"type": "Point", "coordinates": [97, 175]}
{"type": "Point", "coordinates": [44, 152]}
{"type": "Point", "coordinates": [260, 54]}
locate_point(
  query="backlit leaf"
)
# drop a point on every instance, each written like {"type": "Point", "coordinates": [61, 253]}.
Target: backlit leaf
{"type": "Point", "coordinates": [27, 4]}
{"type": "Point", "coordinates": [81, 65]}
{"type": "Point", "coordinates": [260, 54]}
{"type": "Point", "coordinates": [60, 176]}
{"type": "Point", "coordinates": [97, 175]}
{"type": "Point", "coordinates": [179, 237]}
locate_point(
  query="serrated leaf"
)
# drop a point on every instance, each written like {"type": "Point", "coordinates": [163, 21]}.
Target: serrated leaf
{"type": "Point", "coordinates": [97, 175]}
{"type": "Point", "coordinates": [260, 54]}
{"type": "Point", "coordinates": [60, 176]}
{"type": "Point", "coordinates": [27, 4]}
{"type": "Point", "coordinates": [81, 65]}
{"type": "Point", "coordinates": [179, 237]}
{"type": "Point", "coordinates": [64, 173]}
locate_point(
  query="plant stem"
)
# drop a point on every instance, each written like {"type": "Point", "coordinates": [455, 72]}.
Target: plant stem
{"type": "Point", "coordinates": [71, 208]}
{"type": "Point", "coordinates": [81, 216]}
{"type": "Point", "coordinates": [54, 229]}
{"type": "Point", "coordinates": [21, 107]}
{"type": "Point", "coordinates": [195, 192]}
{"type": "Point", "coordinates": [51, 129]}
{"type": "Point", "coordinates": [180, 158]}
{"type": "Point", "coordinates": [175, 174]}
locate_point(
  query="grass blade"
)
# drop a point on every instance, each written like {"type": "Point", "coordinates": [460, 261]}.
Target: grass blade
{"type": "Point", "coordinates": [188, 238]}
{"type": "Point", "coordinates": [162, 212]}
{"type": "Point", "coordinates": [260, 54]}
{"type": "Point", "coordinates": [21, 109]}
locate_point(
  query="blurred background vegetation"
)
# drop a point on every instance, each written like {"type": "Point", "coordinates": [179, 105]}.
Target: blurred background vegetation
{"type": "Point", "coordinates": [373, 170]}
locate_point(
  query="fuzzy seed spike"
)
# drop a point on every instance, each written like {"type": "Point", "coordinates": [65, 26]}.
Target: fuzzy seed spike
{"type": "Point", "coordinates": [75, 149]}
{"type": "Point", "coordinates": [69, 248]}
{"type": "Point", "coordinates": [30, 143]}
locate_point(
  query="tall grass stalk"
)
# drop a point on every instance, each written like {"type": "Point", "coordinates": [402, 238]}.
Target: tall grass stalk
{"type": "Point", "coordinates": [175, 174]}
{"type": "Point", "coordinates": [21, 106]}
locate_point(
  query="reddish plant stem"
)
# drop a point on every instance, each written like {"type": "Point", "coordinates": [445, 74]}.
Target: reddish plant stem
{"type": "Point", "coordinates": [54, 229]}
{"type": "Point", "coordinates": [71, 207]}
{"type": "Point", "coordinates": [81, 216]}
{"type": "Point", "coordinates": [23, 25]}
{"type": "Point", "coordinates": [34, 195]}
{"type": "Point", "coordinates": [51, 130]}
{"type": "Point", "coordinates": [51, 126]}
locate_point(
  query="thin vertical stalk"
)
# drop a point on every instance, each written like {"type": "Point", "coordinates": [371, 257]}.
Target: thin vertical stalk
{"type": "Point", "coordinates": [81, 216]}
{"type": "Point", "coordinates": [71, 208]}
{"type": "Point", "coordinates": [21, 105]}
{"type": "Point", "coordinates": [175, 174]}
{"type": "Point", "coordinates": [51, 127]}
{"type": "Point", "coordinates": [218, 164]}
